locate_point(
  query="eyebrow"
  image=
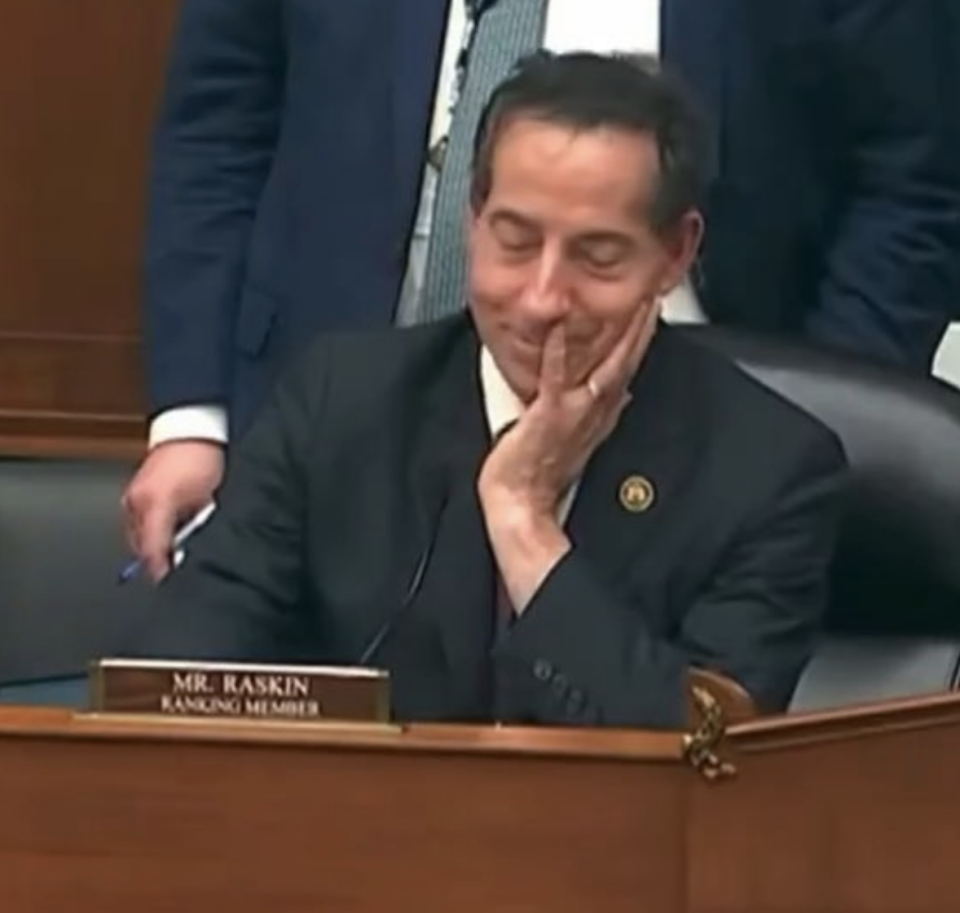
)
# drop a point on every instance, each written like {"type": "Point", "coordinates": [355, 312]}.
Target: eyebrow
{"type": "Point", "coordinates": [598, 238]}
{"type": "Point", "coordinates": [588, 239]}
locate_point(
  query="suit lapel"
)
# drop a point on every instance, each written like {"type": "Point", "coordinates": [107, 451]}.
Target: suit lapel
{"type": "Point", "coordinates": [693, 45]}
{"type": "Point", "coordinates": [457, 593]}
{"type": "Point", "coordinates": [419, 29]}
{"type": "Point", "coordinates": [649, 455]}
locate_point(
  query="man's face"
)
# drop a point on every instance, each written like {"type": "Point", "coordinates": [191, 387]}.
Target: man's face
{"type": "Point", "coordinates": [563, 238]}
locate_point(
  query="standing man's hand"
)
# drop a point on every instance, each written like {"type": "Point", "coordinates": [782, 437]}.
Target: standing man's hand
{"type": "Point", "coordinates": [174, 482]}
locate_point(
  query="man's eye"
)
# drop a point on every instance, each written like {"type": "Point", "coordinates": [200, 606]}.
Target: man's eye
{"type": "Point", "coordinates": [602, 264]}
{"type": "Point", "coordinates": [516, 243]}
{"type": "Point", "coordinates": [601, 257]}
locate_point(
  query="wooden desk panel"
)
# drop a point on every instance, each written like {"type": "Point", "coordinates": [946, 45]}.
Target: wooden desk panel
{"type": "Point", "coordinates": [79, 88]}
{"type": "Point", "coordinates": [103, 822]}
{"type": "Point", "coordinates": [853, 811]}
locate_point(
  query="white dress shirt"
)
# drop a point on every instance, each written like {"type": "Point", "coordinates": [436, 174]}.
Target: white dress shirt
{"type": "Point", "coordinates": [603, 26]}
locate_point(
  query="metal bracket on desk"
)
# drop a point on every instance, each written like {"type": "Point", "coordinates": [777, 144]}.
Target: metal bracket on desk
{"type": "Point", "coordinates": [700, 746]}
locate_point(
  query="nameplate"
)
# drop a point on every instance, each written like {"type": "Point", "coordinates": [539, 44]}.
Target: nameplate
{"type": "Point", "coordinates": [239, 691]}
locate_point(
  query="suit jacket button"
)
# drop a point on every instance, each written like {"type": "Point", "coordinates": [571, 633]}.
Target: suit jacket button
{"type": "Point", "coordinates": [560, 686]}
{"type": "Point", "coordinates": [542, 670]}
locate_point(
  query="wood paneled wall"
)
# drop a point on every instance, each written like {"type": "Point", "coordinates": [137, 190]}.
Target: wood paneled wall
{"type": "Point", "coordinates": [80, 81]}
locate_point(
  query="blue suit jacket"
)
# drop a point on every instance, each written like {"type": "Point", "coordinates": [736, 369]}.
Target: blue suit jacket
{"type": "Point", "coordinates": [290, 148]}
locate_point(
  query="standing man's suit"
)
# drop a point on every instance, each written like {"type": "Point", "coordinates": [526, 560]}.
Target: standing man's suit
{"type": "Point", "coordinates": [292, 141]}
{"type": "Point", "coordinates": [286, 169]}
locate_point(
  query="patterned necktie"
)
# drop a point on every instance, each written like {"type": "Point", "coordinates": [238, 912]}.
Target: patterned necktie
{"type": "Point", "coordinates": [506, 30]}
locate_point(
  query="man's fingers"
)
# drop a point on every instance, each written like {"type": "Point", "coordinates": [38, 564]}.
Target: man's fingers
{"type": "Point", "coordinates": [131, 522]}
{"type": "Point", "coordinates": [175, 480]}
{"type": "Point", "coordinates": [553, 363]}
{"type": "Point", "coordinates": [627, 356]}
{"type": "Point", "coordinates": [616, 371]}
{"type": "Point", "coordinates": [646, 330]}
{"type": "Point", "coordinates": [156, 538]}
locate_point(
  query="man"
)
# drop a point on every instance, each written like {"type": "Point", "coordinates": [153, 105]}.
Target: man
{"type": "Point", "coordinates": [295, 136]}
{"type": "Point", "coordinates": [639, 504]}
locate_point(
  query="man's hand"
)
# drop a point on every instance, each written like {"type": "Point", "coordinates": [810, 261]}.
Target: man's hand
{"type": "Point", "coordinates": [535, 462]}
{"type": "Point", "coordinates": [175, 481]}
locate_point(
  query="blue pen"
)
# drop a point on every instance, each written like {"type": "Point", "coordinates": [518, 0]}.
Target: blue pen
{"type": "Point", "coordinates": [184, 533]}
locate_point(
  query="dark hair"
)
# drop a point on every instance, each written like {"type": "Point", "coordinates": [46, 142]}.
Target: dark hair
{"type": "Point", "coordinates": [590, 91]}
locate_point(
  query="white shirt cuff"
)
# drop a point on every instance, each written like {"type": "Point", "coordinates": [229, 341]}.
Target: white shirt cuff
{"type": "Point", "coordinates": [195, 423]}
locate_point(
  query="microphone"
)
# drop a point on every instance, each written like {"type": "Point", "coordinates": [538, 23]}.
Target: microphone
{"type": "Point", "coordinates": [413, 589]}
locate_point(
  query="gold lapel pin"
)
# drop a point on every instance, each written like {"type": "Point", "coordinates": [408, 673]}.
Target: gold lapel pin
{"type": "Point", "coordinates": [637, 494]}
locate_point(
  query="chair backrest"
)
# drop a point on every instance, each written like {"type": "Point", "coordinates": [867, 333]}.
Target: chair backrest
{"type": "Point", "coordinates": [897, 569]}
{"type": "Point", "coordinates": [61, 546]}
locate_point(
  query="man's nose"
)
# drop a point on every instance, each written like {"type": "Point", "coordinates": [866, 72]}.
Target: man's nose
{"type": "Point", "coordinates": [547, 295]}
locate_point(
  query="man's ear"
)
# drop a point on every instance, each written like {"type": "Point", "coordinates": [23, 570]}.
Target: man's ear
{"type": "Point", "coordinates": [681, 244]}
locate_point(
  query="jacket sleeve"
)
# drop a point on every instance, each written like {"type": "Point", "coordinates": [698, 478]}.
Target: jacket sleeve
{"type": "Point", "coordinates": [212, 152]}
{"type": "Point", "coordinates": [889, 284]}
{"type": "Point", "coordinates": [591, 659]}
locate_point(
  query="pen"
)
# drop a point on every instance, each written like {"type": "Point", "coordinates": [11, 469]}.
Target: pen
{"type": "Point", "coordinates": [184, 533]}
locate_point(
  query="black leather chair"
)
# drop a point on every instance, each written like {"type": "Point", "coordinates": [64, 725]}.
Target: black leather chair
{"type": "Point", "coordinates": [61, 547]}
{"type": "Point", "coordinates": [893, 626]}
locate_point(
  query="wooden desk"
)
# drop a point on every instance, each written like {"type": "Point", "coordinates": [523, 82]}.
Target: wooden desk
{"type": "Point", "coordinates": [855, 812]}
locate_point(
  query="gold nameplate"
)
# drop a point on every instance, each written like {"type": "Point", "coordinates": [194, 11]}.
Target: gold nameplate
{"type": "Point", "coordinates": [240, 690]}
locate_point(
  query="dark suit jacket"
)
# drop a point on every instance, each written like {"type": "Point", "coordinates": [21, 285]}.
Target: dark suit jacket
{"type": "Point", "coordinates": [367, 458]}
{"type": "Point", "coordinates": [286, 169]}
{"type": "Point", "coordinates": [835, 213]}
{"type": "Point", "coordinates": [290, 149]}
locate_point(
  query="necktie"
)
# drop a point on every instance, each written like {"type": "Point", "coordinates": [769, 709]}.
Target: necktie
{"type": "Point", "coordinates": [505, 31]}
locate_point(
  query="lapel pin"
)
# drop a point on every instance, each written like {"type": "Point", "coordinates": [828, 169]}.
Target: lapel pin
{"type": "Point", "coordinates": [636, 494]}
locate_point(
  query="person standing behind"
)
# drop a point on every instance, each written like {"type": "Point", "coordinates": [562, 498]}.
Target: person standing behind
{"type": "Point", "coordinates": [295, 138]}
{"type": "Point", "coordinates": [286, 164]}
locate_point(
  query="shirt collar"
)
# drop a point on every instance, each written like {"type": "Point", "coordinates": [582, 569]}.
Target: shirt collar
{"type": "Point", "coordinates": [501, 405]}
